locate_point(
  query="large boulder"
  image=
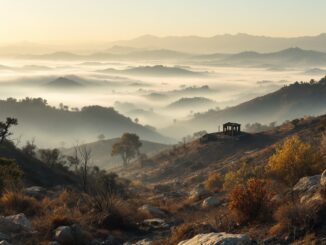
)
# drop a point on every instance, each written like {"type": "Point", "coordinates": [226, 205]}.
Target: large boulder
{"type": "Point", "coordinates": [152, 211]}
{"type": "Point", "coordinates": [14, 223]}
{"type": "Point", "coordinates": [212, 201]}
{"type": "Point", "coordinates": [20, 219]}
{"type": "Point", "coordinates": [307, 184]}
{"type": "Point", "coordinates": [218, 239]}
{"type": "Point", "coordinates": [64, 235]}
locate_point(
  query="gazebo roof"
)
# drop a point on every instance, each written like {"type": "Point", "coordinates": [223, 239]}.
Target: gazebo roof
{"type": "Point", "coordinates": [232, 124]}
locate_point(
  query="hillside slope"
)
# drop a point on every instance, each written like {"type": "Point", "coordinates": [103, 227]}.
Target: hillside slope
{"type": "Point", "coordinates": [192, 163]}
{"type": "Point", "coordinates": [287, 103]}
{"type": "Point", "coordinates": [101, 151]}
{"type": "Point", "coordinates": [36, 172]}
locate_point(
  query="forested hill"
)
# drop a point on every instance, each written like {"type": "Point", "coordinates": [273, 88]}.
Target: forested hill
{"type": "Point", "coordinates": [50, 125]}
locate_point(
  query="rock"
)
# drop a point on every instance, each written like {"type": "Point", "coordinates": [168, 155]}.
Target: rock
{"type": "Point", "coordinates": [141, 242]}
{"type": "Point", "coordinates": [212, 201]}
{"type": "Point", "coordinates": [20, 219]}
{"type": "Point", "coordinates": [218, 239]}
{"type": "Point", "coordinates": [197, 193]}
{"type": "Point", "coordinates": [155, 223]}
{"type": "Point", "coordinates": [64, 235]}
{"type": "Point", "coordinates": [4, 237]}
{"type": "Point", "coordinates": [311, 198]}
{"type": "Point", "coordinates": [4, 243]}
{"type": "Point", "coordinates": [53, 243]}
{"type": "Point", "coordinates": [7, 226]}
{"type": "Point", "coordinates": [323, 179]}
{"type": "Point", "coordinates": [307, 184]}
{"type": "Point", "coordinates": [152, 211]}
{"type": "Point", "coordinates": [35, 191]}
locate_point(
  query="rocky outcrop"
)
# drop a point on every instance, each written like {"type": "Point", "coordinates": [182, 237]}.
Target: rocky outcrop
{"type": "Point", "coordinates": [218, 239]}
{"type": "Point", "coordinates": [307, 184]}
{"type": "Point", "coordinates": [309, 188]}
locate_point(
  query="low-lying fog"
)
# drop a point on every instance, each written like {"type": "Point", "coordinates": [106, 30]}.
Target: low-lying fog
{"type": "Point", "coordinates": [156, 93]}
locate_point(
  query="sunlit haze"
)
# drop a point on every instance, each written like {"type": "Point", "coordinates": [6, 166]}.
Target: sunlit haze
{"type": "Point", "coordinates": [83, 21]}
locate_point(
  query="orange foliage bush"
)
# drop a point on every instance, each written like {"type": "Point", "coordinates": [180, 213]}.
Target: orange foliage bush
{"type": "Point", "coordinates": [251, 201]}
{"type": "Point", "coordinates": [13, 203]}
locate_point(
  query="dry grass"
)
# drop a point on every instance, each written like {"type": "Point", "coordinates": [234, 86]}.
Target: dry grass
{"type": "Point", "coordinates": [188, 230]}
{"type": "Point", "coordinates": [15, 202]}
{"type": "Point", "coordinates": [292, 217]}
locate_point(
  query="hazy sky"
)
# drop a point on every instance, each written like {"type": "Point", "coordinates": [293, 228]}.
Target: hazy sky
{"type": "Point", "coordinates": [106, 20]}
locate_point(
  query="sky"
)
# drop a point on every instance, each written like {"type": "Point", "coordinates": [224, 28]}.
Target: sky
{"type": "Point", "coordinates": [72, 21]}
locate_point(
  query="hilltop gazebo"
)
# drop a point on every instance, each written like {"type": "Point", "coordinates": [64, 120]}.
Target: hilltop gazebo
{"type": "Point", "coordinates": [231, 129]}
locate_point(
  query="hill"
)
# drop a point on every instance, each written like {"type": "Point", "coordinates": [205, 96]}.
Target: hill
{"type": "Point", "coordinates": [192, 162]}
{"type": "Point", "coordinates": [192, 103]}
{"type": "Point", "coordinates": [63, 83]}
{"type": "Point", "coordinates": [36, 172]}
{"type": "Point", "coordinates": [287, 103]}
{"type": "Point", "coordinates": [157, 70]}
{"type": "Point", "coordinates": [101, 151]}
{"type": "Point", "coordinates": [50, 125]}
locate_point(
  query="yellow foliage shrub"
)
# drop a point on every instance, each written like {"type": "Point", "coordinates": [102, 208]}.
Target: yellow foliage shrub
{"type": "Point", "coordinates": [292, 160]}
{"type": "Point", "coordinates": [213, 182]}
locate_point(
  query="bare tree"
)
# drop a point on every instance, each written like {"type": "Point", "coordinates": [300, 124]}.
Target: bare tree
{"type": "Point", "coordinates": [85, 154]}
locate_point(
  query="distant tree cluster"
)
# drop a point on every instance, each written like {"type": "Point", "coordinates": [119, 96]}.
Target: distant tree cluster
{"type": "Point", "coordinates": [258, 127]}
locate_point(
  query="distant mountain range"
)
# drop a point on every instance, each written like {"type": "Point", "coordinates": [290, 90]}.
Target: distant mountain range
{"type": "Point", "coordinates": [287, 57]}
{"type": "Point", "coordinates": [225, 43]}
{"type": "Point", "coordinates": [292, 101]}
{"type": "Point", "coordinates": [101, 151]}
{"type": "Point", "coordinates": [181, 44]}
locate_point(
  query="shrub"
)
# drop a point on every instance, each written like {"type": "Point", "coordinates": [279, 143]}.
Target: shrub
{"type": "Point", "coordinates": [294, 217]}
{"type": "Point", "coordinates": [13, 203]}
{"type": "Point", "coordinates": [10, 174]}
{"type": "Point", "coordinates": [251, 201]}
{"type": "Point", "coordinates": [292, 160]}
{"type": "Point", "coordinates": [240, 176]}
{"type": "Point", "coordinates": [213, 182]}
